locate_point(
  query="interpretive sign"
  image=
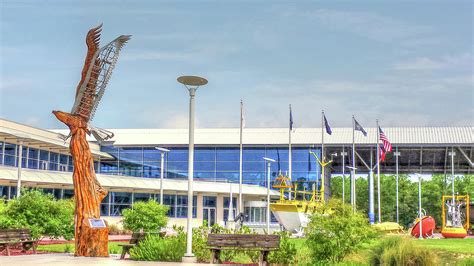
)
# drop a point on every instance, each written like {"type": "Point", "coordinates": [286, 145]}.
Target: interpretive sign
{"type": "Point", "coordinates": [97, 223]}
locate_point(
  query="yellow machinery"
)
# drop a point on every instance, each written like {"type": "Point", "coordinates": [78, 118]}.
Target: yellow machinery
{"type": "Point", "coordinates": [455, 223]}
{"type": "Point", "coordinates": [294, 213]}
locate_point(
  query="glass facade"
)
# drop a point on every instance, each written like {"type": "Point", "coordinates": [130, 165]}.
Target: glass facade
{"type": "Point", "coordinates": [210, 163]}
{"type": "Point", "coordinates": [35, 158]}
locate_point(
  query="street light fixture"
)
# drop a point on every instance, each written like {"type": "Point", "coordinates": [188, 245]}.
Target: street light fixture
{"type": "Point", "coordinates": [163, 151]}
{"type": "Point", "coordinates": [192, 83]}
{"type": "Point", "coordinates": [269, 162]}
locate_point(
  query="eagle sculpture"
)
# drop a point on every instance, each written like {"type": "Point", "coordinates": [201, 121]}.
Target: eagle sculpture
{"type": "Point", "coordinates": [90, 240]}
{"type": "Point", "coordinates": [97, 70]}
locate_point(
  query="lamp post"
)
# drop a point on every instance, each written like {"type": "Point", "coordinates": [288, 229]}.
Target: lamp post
{"type": "Point", "coordinates": [269, 163]}
{"type": "Point", "coordinates": [163, 151]}
{"type": "Point", "coordinates": [192, 83]}
{"type": "Point", "coordinates": [419, 207]}
{"type": "Point", "coordinates": [397, 154]}
{"type": "Point", "coordinates": [343, 154]}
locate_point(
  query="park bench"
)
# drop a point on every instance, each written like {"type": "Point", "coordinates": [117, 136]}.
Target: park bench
{"type": "Point", "coordinates": [13, 237]}
{"type": "Point", "coordinates": [134, 241]}
{"type": "Point", "coordinates": [136, 238]}
{"type": "Point", "coordinates": [262, 243]}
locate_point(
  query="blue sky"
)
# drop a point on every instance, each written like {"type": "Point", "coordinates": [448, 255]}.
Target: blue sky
{"type": "Point", "coordinates": [408, 63]}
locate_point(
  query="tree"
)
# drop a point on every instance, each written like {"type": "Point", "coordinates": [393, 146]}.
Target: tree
{"type": "Point", "coordinates": [335, 231]}
{"type": "Point", "coordinates": [147, 216]}
{"type": "Point", "coordinates": [432, 190]}
{"type": "Point", "coordinates": [41, 213]}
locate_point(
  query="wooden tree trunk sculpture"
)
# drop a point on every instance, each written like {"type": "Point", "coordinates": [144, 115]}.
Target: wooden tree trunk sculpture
{"type": "Point", "coordinates": [90, 240]}
{"type": "Point", "coordinates": [88, 193]}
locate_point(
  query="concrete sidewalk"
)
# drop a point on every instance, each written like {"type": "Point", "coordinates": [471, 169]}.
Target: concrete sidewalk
{"type": "Point", "coordinates": [69, 260]}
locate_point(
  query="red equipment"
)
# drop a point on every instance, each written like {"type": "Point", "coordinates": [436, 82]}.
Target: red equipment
{"type": "Point", "coordinates": [427, 227]}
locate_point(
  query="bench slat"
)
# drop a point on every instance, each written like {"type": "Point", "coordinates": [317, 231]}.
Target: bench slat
{"type": "Point", "coordinates": [243, 241]}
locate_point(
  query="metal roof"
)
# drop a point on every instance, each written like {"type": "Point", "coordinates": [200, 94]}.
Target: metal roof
{"type": "Point", "coordinates": [58, 179]}
{"type": "Point", "coordinates": [279, 136]}
{"type": "Point", "coordinates": [13, 132]}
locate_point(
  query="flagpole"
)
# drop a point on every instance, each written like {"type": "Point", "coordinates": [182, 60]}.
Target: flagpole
{"type": "Point", "coordinates": [396, 177]}
{"type": "Point", "coordinates": [353, 194]}
{"type": "Point", "coordinates": [343, 175]}
{"type": "Point", "coordinates": [289, 152]}
{"type": "Point", "coordinates": [378, 172]}
{"type": "Point", "coordinates": [322, 189]}
{"type": "Point", "coordinates": [241, 153]}
{"type": "Point", "coordinates": [371, 189]}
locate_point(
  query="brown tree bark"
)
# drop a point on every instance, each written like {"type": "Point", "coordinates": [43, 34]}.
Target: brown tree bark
{"type": "Point", "coordinates": [88, 193]}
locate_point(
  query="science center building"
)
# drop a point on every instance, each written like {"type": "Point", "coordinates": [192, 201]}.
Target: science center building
{"type": "Point", "coordinates": [129, 165]}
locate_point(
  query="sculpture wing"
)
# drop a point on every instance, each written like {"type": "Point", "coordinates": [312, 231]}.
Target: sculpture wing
{"type": "Point", "coordinates": [86, 88]}
{"type": "Point", "coordinates": [108, 56]}
{"type": "Point", "coordinates": [96, 73]}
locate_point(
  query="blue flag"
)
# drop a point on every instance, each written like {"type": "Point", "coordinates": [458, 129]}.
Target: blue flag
{"type": "Point", "coordinates": [358, 127]}
{"type": "Point", "coordinates": [326, 124]}
{"type": "Point", "coordinates": [291, 119]}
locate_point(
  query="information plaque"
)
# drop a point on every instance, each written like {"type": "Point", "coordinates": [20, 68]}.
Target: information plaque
{"type": "Point", "coordinates": [97, 223]}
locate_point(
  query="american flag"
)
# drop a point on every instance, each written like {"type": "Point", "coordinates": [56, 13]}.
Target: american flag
{"type": "Point", "coordinates": [386, 145]}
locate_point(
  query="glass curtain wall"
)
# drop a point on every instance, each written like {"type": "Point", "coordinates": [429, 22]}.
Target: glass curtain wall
{"type": "Point", "coordinates": [210, 163]}
{"type": "Point", "coordinates": [33, 158]}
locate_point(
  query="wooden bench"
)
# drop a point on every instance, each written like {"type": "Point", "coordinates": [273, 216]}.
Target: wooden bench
{"type": "Point", "coordinates": [136, 238]}
{"type": "Point", "coordinates": [262, 243]}
{"type": "Point", "coordinates": [134, 241]}
{"type": "Point", "coordinates": [13, 237]}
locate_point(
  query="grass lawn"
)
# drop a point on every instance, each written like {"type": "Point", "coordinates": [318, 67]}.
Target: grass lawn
{"type": "Point", "coordinates": [114, 248]}
{"type": "Point", "coordinates": [450, 251]}
{"type": "Point", "coordinates": [464, 246]}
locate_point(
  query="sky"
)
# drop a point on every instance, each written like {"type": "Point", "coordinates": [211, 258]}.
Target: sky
{"type": "Point", "coordinates": [406, 63]}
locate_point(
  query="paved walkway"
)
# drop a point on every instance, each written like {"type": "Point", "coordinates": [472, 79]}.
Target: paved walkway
{"type": "Point", "coordinates": [70, 260]}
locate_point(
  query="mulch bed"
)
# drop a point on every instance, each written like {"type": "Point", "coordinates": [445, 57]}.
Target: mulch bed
{"type": "Point", "coordinates": [20, 252]}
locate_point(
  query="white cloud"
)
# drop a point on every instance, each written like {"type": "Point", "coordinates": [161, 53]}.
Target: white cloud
{"type": "Point", "coordinates": [459, 62]}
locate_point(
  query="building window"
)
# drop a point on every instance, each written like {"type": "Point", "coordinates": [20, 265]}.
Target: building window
{"type": "Point", "coordinates": [69, 193]}
{"type": "Point", "coordinates": [209, 201]}
{"type": "Point", "coordinates": [10, 154]}
{"type": "Point", "coordinates": [226, 207]}
{"type": "Point", "coordinates": [178, 205]}
{"type": "Point", "coordinates": [105, 205]}
{"type": "Point", "coordinates": [119, 202]}
{"type": "Point", "coordinates": [141, 197]}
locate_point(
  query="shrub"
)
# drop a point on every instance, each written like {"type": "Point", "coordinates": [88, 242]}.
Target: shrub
{"type": "Point", "coordinates": [401, 251]}
{"type": "Point", "coordinates": [68, 248]}
{"type": "Point", "coordinates": [200, 250]}
{"type": "Point", "coordinates": [41, 213]}
{"type": "Point", "coordinates": [113, 229]}
{"type": "Point", "coordinates": [156, 248]}
{"type": "Point", "coordinates": [335, 231]}
{"type": "Point", "coordinates": [147, 216]}
{"type": "Point", "coordinates": [286, 254]}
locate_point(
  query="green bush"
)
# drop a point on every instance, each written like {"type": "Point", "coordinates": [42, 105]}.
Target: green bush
{"type": "Point", "coordinates": [401, 251]}
{"type": "Point", "coordinates": [156, 248]}
{"type": "Point", "coordinates": [286, 254]}
{"type": "Point", "coordinates": [68, 248]}
{"type": "Point", "coordinates": [41, 213]}
{"type": "Point", "coordinates": [200, 250]}
{"type": "Point", "coordinates": [147, 216]}
{"type": "Point", "coordinates": [334, 231]}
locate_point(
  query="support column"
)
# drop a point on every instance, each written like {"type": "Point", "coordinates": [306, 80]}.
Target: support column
{"type": "Point", "coordinates": [20, 158]}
